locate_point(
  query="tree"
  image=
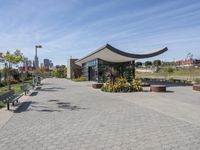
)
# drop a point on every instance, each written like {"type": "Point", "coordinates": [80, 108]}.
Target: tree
{"type": "Point", "coordinates": [157, 63]}
{"type": "Point", "coordinates": [168, 64]}
{"type": "Point", "coordinates": [60, 72]}
{"type": "Point", "coordinates": [167, 71]}
{"type": "Point", "coordinates": [1, 55]}
{"type": "Point", "coordinates": [189, 56]}
{"type": "Point", "coordinates": [148, 63]}
{"type": "Point", "coordinates": [23, 75]}
{"type": "Point", "coordinates": [11, 59]}
{"type": "Point", "coordinates": [111, 74]}
{"type": "Point", "coordinates": [138, 64]}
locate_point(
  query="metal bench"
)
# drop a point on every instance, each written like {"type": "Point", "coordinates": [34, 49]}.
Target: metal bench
{"type": "Point", "coordinates": [10, 97]}
{"type": "Point", "coordinates": [25, 88]}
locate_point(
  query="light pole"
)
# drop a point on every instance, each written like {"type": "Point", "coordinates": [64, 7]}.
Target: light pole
{"type": "Point", "coordinates": [36, 57]}
{"type": "Point", "coordinates": [37, 62]}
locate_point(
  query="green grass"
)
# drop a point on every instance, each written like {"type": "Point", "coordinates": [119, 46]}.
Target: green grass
{"type": "Point", "coordinates": [2, 104]}
{"type": "Point", "coordinates": [3, 90]}
{"type": "Point", "coordinates": [15, 87]}
{"type": "Point", "coordinates": [190, 73]}
{"type": "Point", "coordinates": [197, 80]}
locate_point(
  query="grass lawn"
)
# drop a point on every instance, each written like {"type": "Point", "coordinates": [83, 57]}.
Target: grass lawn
{"type": "Point", "coordinates": [15, 87]}
{"type": "Point", "coordinates": [2, 104]}
{"type": "Point", "coordinates": [187, 73]}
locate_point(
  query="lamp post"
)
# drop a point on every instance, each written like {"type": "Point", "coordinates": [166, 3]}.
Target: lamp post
{"type": "Point", "coordinates": [37, 61]}
{"type": "Point", "coordinates": [36, 57]}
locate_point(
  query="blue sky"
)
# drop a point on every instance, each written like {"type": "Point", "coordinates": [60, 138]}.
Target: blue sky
{"type": "Point", "coordinates": [76, 27]}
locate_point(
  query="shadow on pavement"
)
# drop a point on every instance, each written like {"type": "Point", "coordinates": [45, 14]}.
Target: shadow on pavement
{"type": "Point", "coordinates": [67, 105]}
{"type": "Point", "coordinates": [168, 91]}
{"type": "Point", "coordinates": [49, 110]}
{"type": "Point", "coordinates": [23, 107]}
{"type": "Point", "coordinates": [38, 88]}
{"type": "Point", "coordinates": [33, 94]}
{"type": "Point", "coordinates": [35, 107]}
{"type": "Point", "coordinates": [51, 89]}
{"type": "Point", "coordinates": [53, 100]}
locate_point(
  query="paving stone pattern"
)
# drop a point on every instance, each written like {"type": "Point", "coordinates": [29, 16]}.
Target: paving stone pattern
{"type": "Point", "coordinates": [65, 115]}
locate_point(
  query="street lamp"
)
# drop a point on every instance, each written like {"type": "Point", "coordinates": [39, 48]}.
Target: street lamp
{"type": "Point", "coordinates": [36, 57]}
{"type": "Point", "coordinates": [37, 61]}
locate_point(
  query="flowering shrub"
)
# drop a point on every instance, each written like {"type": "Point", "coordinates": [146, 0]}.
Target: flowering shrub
{"type": "Point", "coordinates": [122, 85]}
{"type": "Point", "coordinates": [137, 85]}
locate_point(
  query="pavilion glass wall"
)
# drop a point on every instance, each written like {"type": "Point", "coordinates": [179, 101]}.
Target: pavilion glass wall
{"type": "Point", "coordinates": [97, 69]}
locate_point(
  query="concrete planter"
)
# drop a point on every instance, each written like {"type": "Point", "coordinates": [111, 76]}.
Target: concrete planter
{"type": "Point", "coordinates": [196, 87]}
{"type": "Point", "coordinates": [158, 88]}
{"type": "Point", "coordinates": [97, 85]}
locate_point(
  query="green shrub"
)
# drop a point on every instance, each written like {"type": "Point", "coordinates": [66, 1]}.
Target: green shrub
{"type": "Point", "coordinates": [2, 104]}
{"type": "Point", "coordinates": [197, 81]}
{"type": "Point", "coordinates": [122, 85]}
{"type": "Point", "coordinates": [14, 81]}
{"type": "Point", "coordinates": [3, 83]}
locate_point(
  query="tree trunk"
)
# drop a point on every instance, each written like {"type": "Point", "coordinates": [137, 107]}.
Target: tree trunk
{"type": "Point", "coordinates": [5, 73]}
{"type": "Point", "coordinates": [9, 74]}
{"type": "Point", "coordinates": [133, 70]}
{"type": "Point", "coordinates": [0, 76]}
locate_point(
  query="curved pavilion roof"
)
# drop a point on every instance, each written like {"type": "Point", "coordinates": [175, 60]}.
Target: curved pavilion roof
{"type": "Point", "coordinates": [112, 54]}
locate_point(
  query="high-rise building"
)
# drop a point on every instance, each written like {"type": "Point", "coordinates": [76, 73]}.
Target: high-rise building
{"type": "Point", "coordinates": [51, 64]}
{"type": "Point", "coordinates": [46, 63]}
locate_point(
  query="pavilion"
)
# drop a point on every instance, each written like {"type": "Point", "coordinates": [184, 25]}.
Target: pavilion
{"type": "Point", "coordinates": [95, 65]}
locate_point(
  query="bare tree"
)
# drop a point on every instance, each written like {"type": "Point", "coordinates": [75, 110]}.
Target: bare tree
{"type": "Point", "coordinates": [112, 74]}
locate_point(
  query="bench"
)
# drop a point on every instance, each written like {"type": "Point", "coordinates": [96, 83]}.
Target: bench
{"type": "Point", "coordinates": [10, 97]}
{"type": "Point", "coordinates": [158, 88]}
{"type": "Point", "coordinates": [196, 87]}
{"type": "Point", "coordinates": [25, 88]}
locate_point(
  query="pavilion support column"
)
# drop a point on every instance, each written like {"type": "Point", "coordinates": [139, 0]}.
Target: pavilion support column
{"type": "Point", "coordinates": [97, 66]}
{"type": "Point", "coordinates": [133, 69]}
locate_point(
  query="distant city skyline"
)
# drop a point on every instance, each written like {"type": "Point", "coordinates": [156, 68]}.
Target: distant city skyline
{"type": "Point", "coordinates": [76, 28]}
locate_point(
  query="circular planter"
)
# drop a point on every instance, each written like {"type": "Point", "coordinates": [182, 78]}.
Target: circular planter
{"type": "Point", "coordinates": [158, 88]}
{"type": "Point", "coordinates": [97, 85]}
{"type": "Point", "coordinates": [196, 87]}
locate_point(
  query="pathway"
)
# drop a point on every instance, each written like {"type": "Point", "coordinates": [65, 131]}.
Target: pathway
{"type": "Point", "coordinates": [67, 115]}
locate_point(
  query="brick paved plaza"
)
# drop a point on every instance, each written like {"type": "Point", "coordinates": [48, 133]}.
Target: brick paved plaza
{"type": "Point", "coordinates": [72, 116]}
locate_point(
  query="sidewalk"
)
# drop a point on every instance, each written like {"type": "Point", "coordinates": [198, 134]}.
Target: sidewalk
{"type": "Point", "coordinates": [5, 114]}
